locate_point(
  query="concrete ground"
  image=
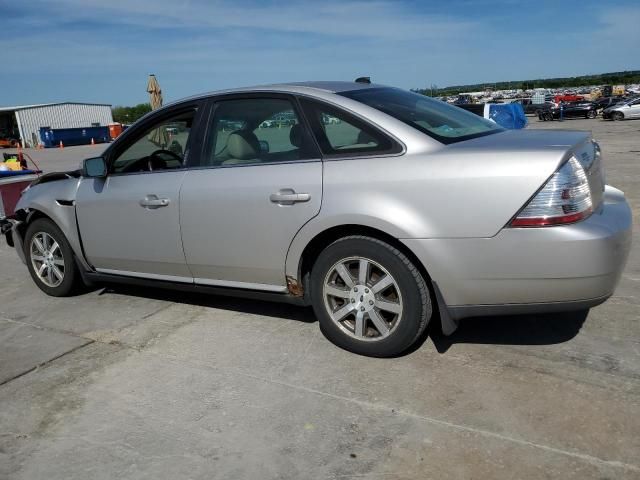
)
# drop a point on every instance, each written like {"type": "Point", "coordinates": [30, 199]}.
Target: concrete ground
{"type": "Point", "coordinates": [134, 383]}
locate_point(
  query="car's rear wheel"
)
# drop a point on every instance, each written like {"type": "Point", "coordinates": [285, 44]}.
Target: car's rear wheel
{"type": "Point", "coordinates": [617, 116]}
{"type": "Point", "coordinates": [50, 259]}
{"type": "Point", "coordinates": [592, 114]}
{"type": "Point", "coordinates": [369, 297]}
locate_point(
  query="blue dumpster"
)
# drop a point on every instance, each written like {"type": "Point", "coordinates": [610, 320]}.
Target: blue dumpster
{"type": "Point", "coordinates": [51, 137]}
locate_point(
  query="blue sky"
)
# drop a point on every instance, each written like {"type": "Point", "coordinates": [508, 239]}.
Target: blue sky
{"type": "Point", "coordinates": [103, 50]}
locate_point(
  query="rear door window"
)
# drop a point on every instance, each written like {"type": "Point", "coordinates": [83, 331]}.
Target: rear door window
{"type": "Point", "coordinates": [255, 131]}
{"type": "Point", "coordinates": [446, 123]}
{"type": "Point", "coordinates": [341, 134]}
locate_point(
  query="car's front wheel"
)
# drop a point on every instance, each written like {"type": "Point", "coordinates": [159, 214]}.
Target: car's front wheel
{"type": "Point", "coordinates": [617, 116]}
{"type": "Point", "coordinates": [592, 114]}
{"type": "Point", "coordinates": [50, 259]}
{"type": "Point", "coordinates": [369, 297]}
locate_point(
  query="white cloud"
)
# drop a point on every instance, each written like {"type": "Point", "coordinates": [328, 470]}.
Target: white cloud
{"type": "Point", "coordinates": [100, 46]}
{"type": "Point", "coordinates": [354, 18]}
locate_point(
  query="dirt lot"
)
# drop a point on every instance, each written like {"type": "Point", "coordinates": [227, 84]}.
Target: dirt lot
{"type": "Point", "coordinates": [133, 383]}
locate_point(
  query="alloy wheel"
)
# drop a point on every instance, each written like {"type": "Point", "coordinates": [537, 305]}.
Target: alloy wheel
{"type": "Point", "coordinates": [362, 298]}
{"type": "Point", "coordinates": [47, 259]}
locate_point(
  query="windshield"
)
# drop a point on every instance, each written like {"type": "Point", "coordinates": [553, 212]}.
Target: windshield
{"type": "Point", "coordinates": [444, 122]}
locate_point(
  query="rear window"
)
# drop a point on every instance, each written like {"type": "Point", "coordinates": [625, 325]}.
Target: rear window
{"type": "Point", "coordinates": [340, 134]}
{"type": "Point", "coordinates": [444, 122]}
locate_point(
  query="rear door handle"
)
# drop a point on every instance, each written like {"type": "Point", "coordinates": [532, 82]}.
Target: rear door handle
{"type": "Point", "coordinates": [288, 196]}
{"type": "Point", "coordinates": [152, 201]}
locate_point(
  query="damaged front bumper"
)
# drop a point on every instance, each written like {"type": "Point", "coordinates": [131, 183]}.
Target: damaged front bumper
{"type": "Point", "coordinates": [9, 228]}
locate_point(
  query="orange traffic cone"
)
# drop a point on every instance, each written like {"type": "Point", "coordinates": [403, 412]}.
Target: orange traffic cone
{"type": "Point", "coordinates": [61, 145]}
{"type": "Point", "coordinates": [93, 142]}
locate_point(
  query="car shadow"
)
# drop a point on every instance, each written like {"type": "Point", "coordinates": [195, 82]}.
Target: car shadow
{"type": "Point", "coordinates": [543, 329]}
{"type": "Point", "coordinates": [235, 304]}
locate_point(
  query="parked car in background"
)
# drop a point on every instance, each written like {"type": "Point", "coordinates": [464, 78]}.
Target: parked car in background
{"type": "Point", "coordinates": [606, 102]}
{"type": "Point", "coordinates": [531, 108]}
{"type": "Point", "coordinates": [7, 142]}
{"type": "Point", "coordinates": [9, 138]}
{"type": "Point", "coordinates": [568, 97]}
{"type": "Point", "coordinates": [623, 111]}
{"type": "Point", "coordinates": [377, 220]}
{"type": "Point", "coordinates": [464, 99]}
{"type": "Point", "coordinates": [570, 110]}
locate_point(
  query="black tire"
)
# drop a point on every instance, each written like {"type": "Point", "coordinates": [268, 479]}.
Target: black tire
{"type": "Point", "coordinates": [617, 116]}
{"type": "Point", "coordinates": [592, 114]}
{"type": "Point", "coordinates": [412, 288]}
{"type": "Point", "coordinates": [71, 280]}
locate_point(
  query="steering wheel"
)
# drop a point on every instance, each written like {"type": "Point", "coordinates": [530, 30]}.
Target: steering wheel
{"type": "Point", "coordinates": [155, 159]}
{"type": "Point", "coordinates": [169, 153]}
{"type": "Point", "coordinates": [152, 162]}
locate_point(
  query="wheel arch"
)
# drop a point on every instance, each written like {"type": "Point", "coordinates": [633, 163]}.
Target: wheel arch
{"type": "Point", "coordinates": [64, 217]}
{"type": "Point", "coordinates": [330, 235]}
{"type": "Point", "coordinates": [28, 216]}
{"type": "Point", "coordinates": [303, 264]}
{"type": "Point", "coordinates": [307, 245]}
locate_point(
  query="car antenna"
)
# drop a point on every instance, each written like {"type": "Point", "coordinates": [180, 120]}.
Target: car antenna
{"type": "Point", "coordinates": [366, 80]}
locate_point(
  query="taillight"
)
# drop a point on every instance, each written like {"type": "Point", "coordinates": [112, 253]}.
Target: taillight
{"type": "Point", "coordinates": [565, 198]}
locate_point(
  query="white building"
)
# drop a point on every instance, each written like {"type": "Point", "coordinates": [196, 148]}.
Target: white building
{"type": "Point", "coordinates": [25, 121]}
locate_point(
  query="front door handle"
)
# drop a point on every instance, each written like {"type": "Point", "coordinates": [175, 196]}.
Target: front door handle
{"type": "Point", "coordinates": [288, 196]}
{"type": "Point", "coordinates": [152, 201]}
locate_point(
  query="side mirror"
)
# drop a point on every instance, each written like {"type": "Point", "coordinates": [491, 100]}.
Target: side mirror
{"type": "Point", "coordinates": [94, 167]}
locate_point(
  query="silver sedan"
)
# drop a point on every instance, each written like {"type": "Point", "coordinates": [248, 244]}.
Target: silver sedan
{"type": "Point", "coordinates": [379, 207]}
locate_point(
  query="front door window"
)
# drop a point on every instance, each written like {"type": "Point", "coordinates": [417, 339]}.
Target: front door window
{"type": "Point", "coordinates": [164, 146]}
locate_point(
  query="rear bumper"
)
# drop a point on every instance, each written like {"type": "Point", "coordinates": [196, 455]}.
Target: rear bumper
{"type": "Point", "coordinates": [529, 270]}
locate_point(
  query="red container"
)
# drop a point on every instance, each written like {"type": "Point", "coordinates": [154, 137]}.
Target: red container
{"type": "Point", "coordinates": [115, 129]}
{"type": "Point", "coordinates": [10, 190]}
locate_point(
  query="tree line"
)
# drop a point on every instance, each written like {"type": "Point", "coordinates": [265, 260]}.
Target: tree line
{"type": "Point", "coordinates": [128, 115]}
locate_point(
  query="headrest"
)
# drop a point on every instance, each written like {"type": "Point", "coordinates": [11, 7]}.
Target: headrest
{"type": "Point", "coordinates": [296, 135]}
{"type": "Point", "coordinates": [364, 138]}
{"type": "Point", "coordinates": [243, 145]}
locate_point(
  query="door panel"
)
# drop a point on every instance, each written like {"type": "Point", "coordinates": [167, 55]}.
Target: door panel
{"type": "Point", "coordinates": [234, 233]}
{"type": "Point", "coordinates": [130, 223]}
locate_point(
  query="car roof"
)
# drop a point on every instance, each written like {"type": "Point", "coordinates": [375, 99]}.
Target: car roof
{"type": "Point", "coordinates": [331, 86]}
{"type": "Point", "coordinates": [310, 87]}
